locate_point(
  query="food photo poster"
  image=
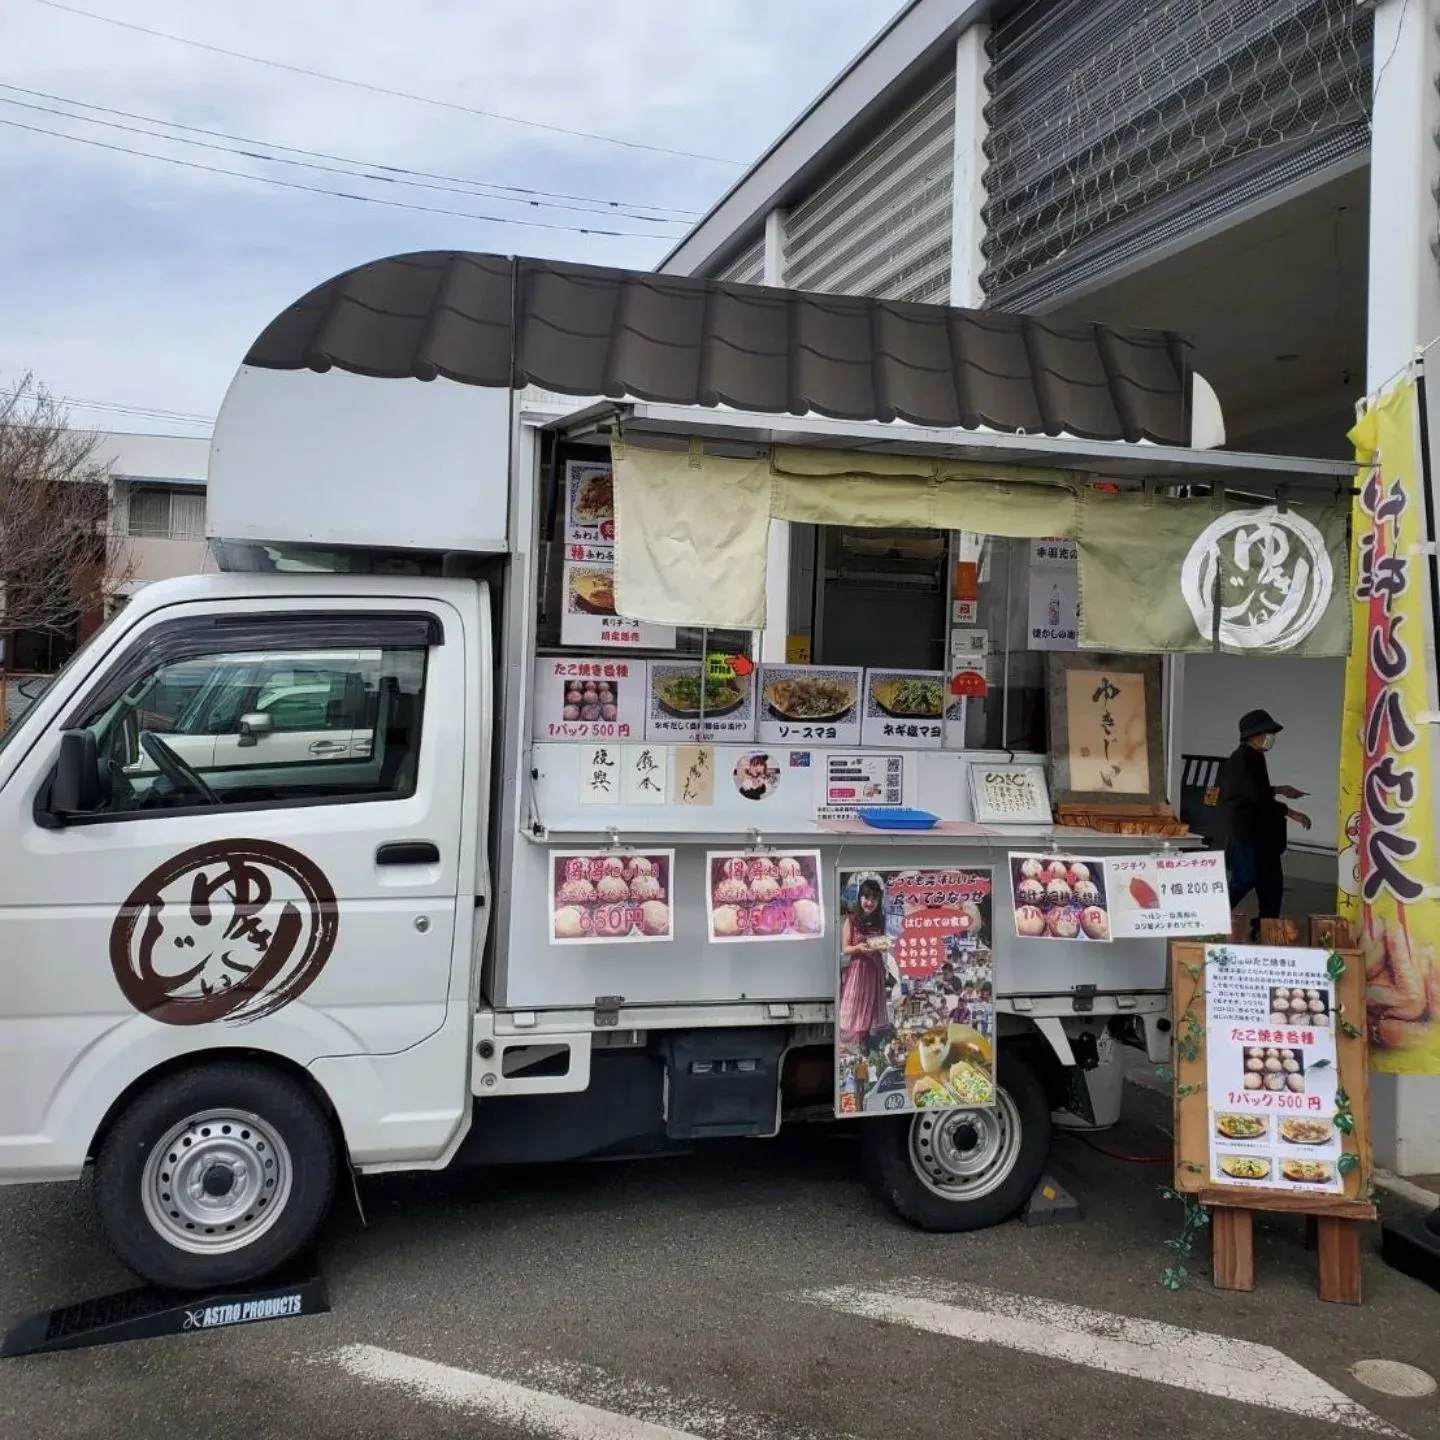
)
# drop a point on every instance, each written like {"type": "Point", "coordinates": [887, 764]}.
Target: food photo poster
{"type": "Point", "coordinates": [609, 897]}
{"type": "Point", "coordinates": [753, 896]}
{"type": "Point", "coordinates": [1060, 898]}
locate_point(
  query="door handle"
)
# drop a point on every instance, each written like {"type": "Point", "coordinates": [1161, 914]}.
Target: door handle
{"type": "Point", "coordinates": [328, 747]}
{"type": "Point", "coordinates": [408, 852]}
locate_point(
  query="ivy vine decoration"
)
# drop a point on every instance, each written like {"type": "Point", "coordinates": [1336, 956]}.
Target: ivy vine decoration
{"type": "Point", "coordinates": [1182, 1246]}
{"type": "Point", "coordinates": [1335, 969]}
{"type": "Point", "coordinates": [1189, 1046]}
{"type": "Point", "coordinates": [1348, 1163]}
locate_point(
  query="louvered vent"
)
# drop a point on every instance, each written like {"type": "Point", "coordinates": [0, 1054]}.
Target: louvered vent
{"type": "Point", "coordinates": [1117, 125]}
{"type": "Point", "coordinates": [746, 268]}
{"type": "Point", "coordinates": [880, 224]}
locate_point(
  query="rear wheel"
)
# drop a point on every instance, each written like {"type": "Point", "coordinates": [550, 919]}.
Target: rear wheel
{"type": "Point", "coordinates": [953, 1170]}
{"type": "Point", "coordinates": [216, 1176]}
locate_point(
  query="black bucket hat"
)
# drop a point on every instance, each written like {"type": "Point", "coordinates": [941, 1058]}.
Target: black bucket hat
{"type": "Point", "coordinates": [1258, 722]}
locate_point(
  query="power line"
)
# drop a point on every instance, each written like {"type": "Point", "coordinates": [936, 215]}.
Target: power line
{"type": "Point", "coordinates": [140, 412]}
{"type": "Point", "coordinates": [146, 412]}
{"type": "Point", "coordinates": [523, 194]}
{"type": "Point", "coordinates": [189, 417]}
{"type": "Point", "coordinates": [336, 194]}
{"type": "Point", "coordinates": [386, 90]}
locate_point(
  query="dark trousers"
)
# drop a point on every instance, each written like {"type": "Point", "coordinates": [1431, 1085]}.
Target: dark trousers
{"type": "Point", "coordinates": [1260, 869]}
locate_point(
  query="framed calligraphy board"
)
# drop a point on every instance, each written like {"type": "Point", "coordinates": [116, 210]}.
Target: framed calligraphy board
{"type": "Point", "coordinates": [1107, 741]}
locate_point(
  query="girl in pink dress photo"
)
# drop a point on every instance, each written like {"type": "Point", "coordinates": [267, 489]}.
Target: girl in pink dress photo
{"type": "Point", "coordinates": [864, 977]}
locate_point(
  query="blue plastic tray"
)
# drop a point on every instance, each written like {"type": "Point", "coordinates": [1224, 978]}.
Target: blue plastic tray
{"type": "Point", "coordinates": [888, 819]}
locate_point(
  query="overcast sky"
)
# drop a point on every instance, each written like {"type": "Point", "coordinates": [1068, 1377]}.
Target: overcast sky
{"type": "Point", "coordinates": [135, 281]}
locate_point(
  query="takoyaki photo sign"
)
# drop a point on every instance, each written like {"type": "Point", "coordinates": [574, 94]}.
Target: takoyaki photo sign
{"type": "Point", "coordinates": [752, 896]}
{"type": "Point", "coordinates": [1120, 897]}
{"type": "Point", "coordinates": [915, 1006]}
{"type": "Point", "coordinates": [1271, 1092]}
{"type": "Point", "coordinates": [1272, 1069]}
{"type": "Point", "coordinates": [1060, 898]}
{"type": "Point", "coordinates": [610, 897]}
{"type": "Point", "coordinates": [589, 698]}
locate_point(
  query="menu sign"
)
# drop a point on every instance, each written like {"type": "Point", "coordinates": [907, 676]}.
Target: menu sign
{"type": "Point", "coordinates": [610, 897]}
{"type": "Point", "coordinates": [682, 702]}
{"type": "Point", "coordinates": [589, 618]}
{"type": "Point", "coordinates": [1181, 894]}
{"type": "Point", "coordinates": [589, 509]}
{"type": "Point", "coordinates": [915, 997]}
{"type": "Point", "coordinates": [753, 896]}
{"type": "Point", "coordinates": [1060, 898]}
{"type": "Point", "coordinates": [1271, 1075]}
{"type": "Point", "coordinates": [589, 699]}
{"type": "Point", "coordinates": [905, 709]}
{"type": "Point", "coordinates": [805, 704]}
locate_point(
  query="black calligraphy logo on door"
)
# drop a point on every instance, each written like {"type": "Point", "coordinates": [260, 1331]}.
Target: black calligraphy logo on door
{"type": "Point", "coordinates": [232, 930]}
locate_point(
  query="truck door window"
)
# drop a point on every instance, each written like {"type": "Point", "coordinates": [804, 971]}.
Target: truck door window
{"type": "Point", "coordinates": [265, 729]}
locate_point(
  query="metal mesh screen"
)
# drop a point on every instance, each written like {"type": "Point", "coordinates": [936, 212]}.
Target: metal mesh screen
{"type": "Point", "coordinates": [1111, 120]}
{"type": "Point", "coordinates": [880, 223]}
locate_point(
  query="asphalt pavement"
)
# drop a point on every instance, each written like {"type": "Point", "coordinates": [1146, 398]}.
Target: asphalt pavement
{"type": "Point", "coordinates": [754, 1291]}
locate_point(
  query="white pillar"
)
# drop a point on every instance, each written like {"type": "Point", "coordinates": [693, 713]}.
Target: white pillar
{"type": "Point", "coordinates": [967, 229]}
{"type": "Point", "coordinates": [777, 559]}
{"type": "Point", "coordinates": [1404, 311]}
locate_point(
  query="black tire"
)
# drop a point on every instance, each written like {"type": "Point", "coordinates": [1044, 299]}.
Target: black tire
{"type": "Point", "coordinates": [258, 1118]}
{"type": "Point", "coordinates": [886, 1154]}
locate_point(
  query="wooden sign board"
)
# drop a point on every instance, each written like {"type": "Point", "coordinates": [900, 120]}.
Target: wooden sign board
{"type": "Point", "coordinates": [1272, 1097]}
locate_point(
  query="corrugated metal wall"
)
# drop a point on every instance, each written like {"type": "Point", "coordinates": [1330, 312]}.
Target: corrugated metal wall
{"type": "Point", "coordinates": [748, 266]}
{"type": "Point", "coordinates": [1117, 126]}
{"type": "Point", "coordinates": [880, 223]}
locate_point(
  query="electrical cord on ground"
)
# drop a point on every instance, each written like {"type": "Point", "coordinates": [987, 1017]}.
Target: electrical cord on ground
{"type": "Point", "coordinates": [1120, 1155]}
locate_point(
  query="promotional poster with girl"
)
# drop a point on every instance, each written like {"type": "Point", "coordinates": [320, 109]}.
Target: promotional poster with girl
{"type": "Point", "coordinates": [915, 1011]}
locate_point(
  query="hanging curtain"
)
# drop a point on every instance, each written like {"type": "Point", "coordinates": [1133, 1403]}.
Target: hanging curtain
{"type": "Point", "coordinates": [1156, 574]}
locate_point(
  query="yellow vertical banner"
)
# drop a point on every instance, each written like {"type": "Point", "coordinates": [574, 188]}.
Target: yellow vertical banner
{"type": "Point", "coordinates": [1388, 860]}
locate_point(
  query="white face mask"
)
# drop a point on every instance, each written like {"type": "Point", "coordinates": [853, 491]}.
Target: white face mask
{"type": "Point", "coordinates": [1268, 743]}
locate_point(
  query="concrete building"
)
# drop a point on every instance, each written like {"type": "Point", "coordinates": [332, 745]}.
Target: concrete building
{"type": "Point", "coordinates": [1255, 175]}
{"type": "Point", "coordinates": [157, 516]}
{"type": "Point", "coordinates": [158, 505]}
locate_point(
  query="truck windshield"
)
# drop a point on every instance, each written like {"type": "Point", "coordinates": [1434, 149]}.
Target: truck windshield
{"type": "Point", "coordinates": [84, 649]}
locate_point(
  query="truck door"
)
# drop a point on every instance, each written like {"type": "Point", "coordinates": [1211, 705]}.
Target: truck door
{"type": "Point", "coordinates": [299, 900]}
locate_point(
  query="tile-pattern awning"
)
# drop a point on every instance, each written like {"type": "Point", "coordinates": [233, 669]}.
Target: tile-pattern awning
{"type": "Point", "coordinates": [586, 330]}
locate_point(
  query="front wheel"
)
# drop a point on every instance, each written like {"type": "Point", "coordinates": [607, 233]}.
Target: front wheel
{"type": "Point", "coordinates": [954, 1170]}
{"type": "Point", "coordinates": [217, 1176]}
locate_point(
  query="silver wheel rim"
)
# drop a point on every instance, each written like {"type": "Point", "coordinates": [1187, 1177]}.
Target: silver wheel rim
{"type": "Point", "coordinates": [963, 1155]}
{"type": "Point", "coordinates": [216, 1182]}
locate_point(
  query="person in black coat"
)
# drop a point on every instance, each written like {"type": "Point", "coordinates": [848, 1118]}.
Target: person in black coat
{"type": "Point", "coordinates": [1256, 834]}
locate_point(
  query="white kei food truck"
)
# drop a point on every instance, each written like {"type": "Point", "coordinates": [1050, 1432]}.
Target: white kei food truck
{"type": "Point", "coordinates": [285, 887]}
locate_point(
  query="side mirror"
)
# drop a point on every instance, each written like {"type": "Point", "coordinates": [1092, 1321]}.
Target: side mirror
{"type": "Point", "coordinates": [77, 788]}
{"type": "Point", "coordinates": [253, 726]}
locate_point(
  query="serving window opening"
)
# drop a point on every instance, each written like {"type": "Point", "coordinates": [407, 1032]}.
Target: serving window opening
{"type": "Point", "coordinates": [939, 602]}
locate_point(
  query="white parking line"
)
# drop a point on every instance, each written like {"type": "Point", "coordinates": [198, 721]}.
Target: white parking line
{"type": "Point", "coordinates": [1142, 1349]}
{"type": "Point", "coordinates": [568, 1401]}
{"type": "Point", "coordinates": [535, 1411]}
